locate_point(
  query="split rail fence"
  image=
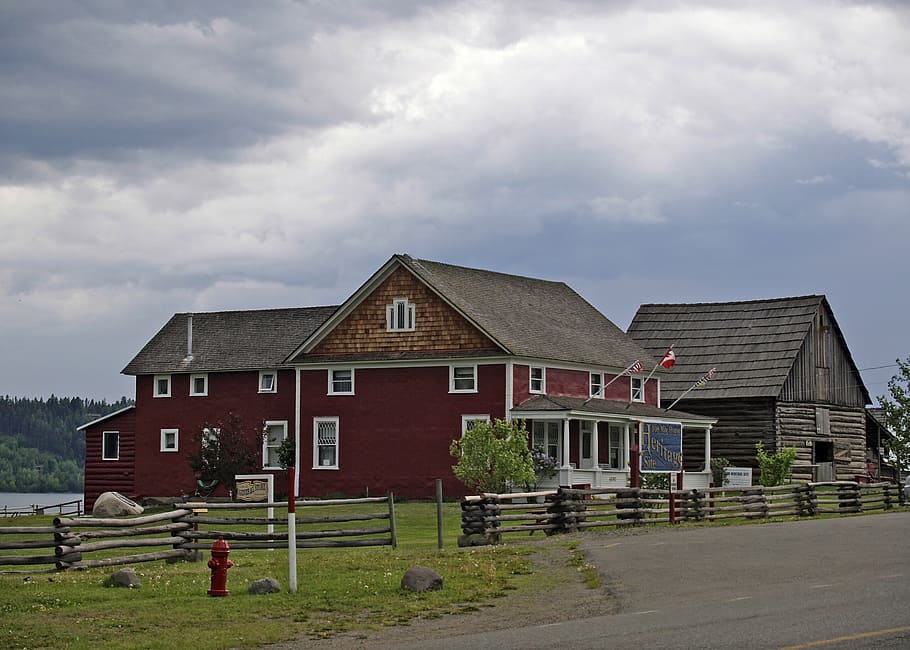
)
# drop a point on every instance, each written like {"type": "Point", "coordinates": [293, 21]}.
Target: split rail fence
{"type": "Point", "coordinates": [190, 527]}
{"type": "Point", "coordinates": [485, 518]}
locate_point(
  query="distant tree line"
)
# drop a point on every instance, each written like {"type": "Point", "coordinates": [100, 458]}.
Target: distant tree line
{"type": "Point", "coordinates": [40, 449]}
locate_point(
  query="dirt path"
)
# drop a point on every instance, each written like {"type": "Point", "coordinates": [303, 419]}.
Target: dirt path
{"type": "Point", "coordinates": [560, 595]}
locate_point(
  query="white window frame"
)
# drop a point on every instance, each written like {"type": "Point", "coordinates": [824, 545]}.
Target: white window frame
{"type": "Point", "coordinates": [205, 385]}
{"type": "Point", "coordinates": [164, 438]}
{"type": "Point", "coordinates": [265, 442]}
{"type": "Point", "coordinates": [600, 383]}
{"type": "Point", "coordinates": [316, 422]}
{"type": "Point", "coordinates": [542, 389]}
{"type": "Point", "coordinates": [400, 316]}
{"type": "Point", "coordinates": [268, 373]}
{"type": "Point", "coordinates": [467, 421]}
{"type": "Point", "coordinates": [637, 395]}
{"type": "Point", "coordinates": [540, 437]}
{"type": "Point", "coordinates": [452, 368]}
{"type": "Point", "coordinates": [332, 381]}
{"type": "Point", "coordinates": [155, 390]}
{"type": "Point", "coordinates": [104, 435]}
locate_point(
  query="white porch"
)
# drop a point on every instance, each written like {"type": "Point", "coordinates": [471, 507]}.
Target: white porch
{"type": "Point", "coordinates": [590, 440]}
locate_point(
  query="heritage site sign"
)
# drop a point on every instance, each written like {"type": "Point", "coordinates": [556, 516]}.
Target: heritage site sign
{"type": "Point", "coordinates": [661, 447]}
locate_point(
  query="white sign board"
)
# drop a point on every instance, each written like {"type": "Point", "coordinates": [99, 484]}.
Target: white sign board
{"type": "Point", "coordinates": [737, 476]}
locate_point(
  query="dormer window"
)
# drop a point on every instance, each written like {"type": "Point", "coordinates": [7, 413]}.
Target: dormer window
{"type": "Point", "coordinates": [400, 316]}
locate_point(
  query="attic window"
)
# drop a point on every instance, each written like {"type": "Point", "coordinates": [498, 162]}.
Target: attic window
{"type": "Point", "coordinates": [400, 316]}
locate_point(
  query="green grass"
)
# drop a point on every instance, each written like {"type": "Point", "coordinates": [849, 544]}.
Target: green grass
{"type": "Point", "coordinates": [338, 590]}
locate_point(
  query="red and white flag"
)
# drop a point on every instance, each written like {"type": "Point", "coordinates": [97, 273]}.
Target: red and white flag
{"type": "Point", "coordinates": [635, 367]}
{"type": "Point", "coordinates": [669, 359]}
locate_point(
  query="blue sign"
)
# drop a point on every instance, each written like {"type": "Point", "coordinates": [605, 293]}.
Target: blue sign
{"type": "Point", "coordinates": [661, 447]}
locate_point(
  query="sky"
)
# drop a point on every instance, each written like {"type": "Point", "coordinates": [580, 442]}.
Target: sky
{"type": "Point", "coordinates": [171, 156]}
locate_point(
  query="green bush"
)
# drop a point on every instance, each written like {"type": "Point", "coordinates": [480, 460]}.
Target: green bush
{"type": "Point", "coordinates": [775, 468]}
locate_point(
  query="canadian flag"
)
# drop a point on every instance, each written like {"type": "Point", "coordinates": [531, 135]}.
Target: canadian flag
{"type": "Point", "coordinates": [669, 359]}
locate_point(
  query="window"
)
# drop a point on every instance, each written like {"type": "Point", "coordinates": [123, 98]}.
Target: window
{"type": "Point", "coordinates": [275, 433]}
{"type": "Point", "coordinates": [325, 443]}
{"type": "Point", "coordinates": [463, 379]}
{"type": "Point", "coordinates": [268, 381]}
{"type": "Point", "coordinates": [468, 421]}
{"type": "Point", "coordinates": [596, 384]}
{"type": "Point", "coordinates": [638, 389]}
{"type": "Point", "coordinates": [199, 385]}
{"type": "Point", "coordinates": [615, 451]}
{"type": "Point", "coordinates": [162, 385]}
{"type": "Point", "coordinates": [587, 433]}
{"type": "Point", "coordinates": [341, 382]}
{"type": "Point", "coordinates": [546, 436]}
{"type": "Point", "coordinates": [169, 439]}
{"type": "Point", "coordinates": [538, 380]}
{"type": "Point", "coordinates": [400, 316]}
{"type": "Point", "coordinates": [110, 445]}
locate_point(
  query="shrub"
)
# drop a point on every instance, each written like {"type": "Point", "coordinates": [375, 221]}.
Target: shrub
{"type": "Point", "coordinates": [775, 468]}
{"type": "Point", "coordinates": [493, 456]}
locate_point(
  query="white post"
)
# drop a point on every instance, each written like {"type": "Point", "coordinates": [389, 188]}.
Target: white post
{"type": "Point", "coordinates": [595, 448]}
{"type": "Point", "coordinates": [565, 442]}
{"type": "Point", "coordinates": [708, 448]}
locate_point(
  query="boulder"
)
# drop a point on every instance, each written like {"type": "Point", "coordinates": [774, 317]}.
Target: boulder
{"type": "Point", "coordinates": [114, 504]}
{"type": "Point", "coordinates": [264, 586]}
{"type": "Point", "coordinates": [421, 578]}
{"type": "Point", "coordinates": [125, 578]}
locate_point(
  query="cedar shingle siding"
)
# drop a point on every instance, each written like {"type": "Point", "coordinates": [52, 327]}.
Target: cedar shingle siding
{"type": "Point", "coordinates": [439, 327]}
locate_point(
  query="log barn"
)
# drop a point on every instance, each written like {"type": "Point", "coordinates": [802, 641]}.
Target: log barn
{"type": "Point", "coordinates": [784, 377]}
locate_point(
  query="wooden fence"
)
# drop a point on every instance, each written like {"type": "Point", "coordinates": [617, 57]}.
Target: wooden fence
{"type": "Point", "coordinates": [65, 508]}
{"type": "Point", "coordinates": [485, 518]}
{"type": "Point", "coordinates": [177, 534]}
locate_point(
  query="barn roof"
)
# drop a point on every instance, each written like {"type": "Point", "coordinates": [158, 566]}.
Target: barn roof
{"type": "Point", "coordinates": [752, 344]}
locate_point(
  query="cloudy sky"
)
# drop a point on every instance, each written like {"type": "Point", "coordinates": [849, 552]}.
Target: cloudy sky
{"type": "Point", "coordinates": [164, 156]}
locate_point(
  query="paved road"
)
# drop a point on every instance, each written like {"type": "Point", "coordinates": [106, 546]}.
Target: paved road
{"type": "Point", "coordinates": [834, 583]}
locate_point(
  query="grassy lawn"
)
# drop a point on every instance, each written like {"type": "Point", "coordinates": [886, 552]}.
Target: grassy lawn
{"type": "Point", "coordinates": [338, 589]}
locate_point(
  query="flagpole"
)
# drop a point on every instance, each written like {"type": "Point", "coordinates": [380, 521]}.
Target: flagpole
{"type": "Point", "coordinates": [704, 378]}
{"type": "Point", "coordinates": [659, 363]}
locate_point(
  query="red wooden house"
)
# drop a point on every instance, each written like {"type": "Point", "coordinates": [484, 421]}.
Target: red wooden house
{"type": "Point", "coordinates": [375, 390]}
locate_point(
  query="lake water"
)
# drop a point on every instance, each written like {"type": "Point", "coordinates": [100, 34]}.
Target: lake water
{"type": "Point", "coordinates": [26, 499]}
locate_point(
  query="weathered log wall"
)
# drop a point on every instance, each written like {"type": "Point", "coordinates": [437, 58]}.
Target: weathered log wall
{"type": "Point", "coordinates": [797, 426]}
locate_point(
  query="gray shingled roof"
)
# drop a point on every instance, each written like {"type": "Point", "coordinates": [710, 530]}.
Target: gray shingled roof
{"type": "Point", "coordinates": [603, 407]}
{"type": "Point", "coordinates": [228, 340]}
{"type": "Point", "coordinates": [753, 344]}
{"type": "Point", "coordinates": [530, 317]}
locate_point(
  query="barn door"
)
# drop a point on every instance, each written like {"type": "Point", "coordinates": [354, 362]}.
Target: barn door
{"type": "Point", "coordinates": [823, 459]}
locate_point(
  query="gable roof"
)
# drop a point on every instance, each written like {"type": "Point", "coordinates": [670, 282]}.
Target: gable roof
{"type": "Point", "coordinates": [753, 344]}
{"type": "Point", "coordinates": [227, 340]}
{"type": "Point", "coordinates": [105, 418]}
{"type": "Point", "coordinates": [526, 317]}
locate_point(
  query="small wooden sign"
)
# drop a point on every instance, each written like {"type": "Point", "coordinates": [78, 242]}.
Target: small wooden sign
{"type": "Point", "coordinates": [252, 490]}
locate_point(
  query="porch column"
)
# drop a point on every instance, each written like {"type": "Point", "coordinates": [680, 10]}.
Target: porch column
{"type": "Point", "coordinates": [708, 448]}
{"type": "Point", "coordinates": [565, 442]}
{"type": "Point", "coordinates": [595, 435]}
{"type": "Point", "coordinates": [626, 446]}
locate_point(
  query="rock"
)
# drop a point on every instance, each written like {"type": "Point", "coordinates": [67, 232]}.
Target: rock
{"type": "Point", "coordinates": [420, 578]}
{"type": "Point", "coordinates": [264, 586]}
{"type": "Point", "coordinates": [114, 504]}
{"type": "Point", "coordinates": [478, 539]}
{"type": "Point", "coordinates": [125, 578]}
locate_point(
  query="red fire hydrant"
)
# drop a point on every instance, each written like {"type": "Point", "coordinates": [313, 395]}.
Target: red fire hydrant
{"type": "Point", "coordinates": [219, 564]}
